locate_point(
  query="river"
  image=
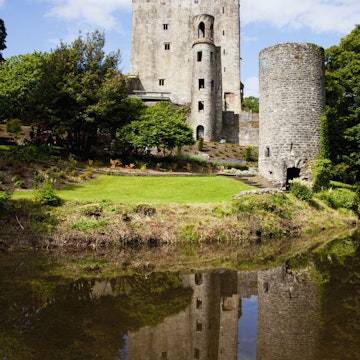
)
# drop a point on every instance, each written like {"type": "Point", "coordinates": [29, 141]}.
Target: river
{"type": "Point", "coordinates": [308, 309]}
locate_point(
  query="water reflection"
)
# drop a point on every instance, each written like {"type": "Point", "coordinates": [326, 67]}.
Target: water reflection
{"type": "Point", "coordinates": [272, 314]}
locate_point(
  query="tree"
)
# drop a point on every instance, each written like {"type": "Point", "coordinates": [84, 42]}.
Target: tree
{"type": "Point", "coordinates": [81, 91]}
{"type": "Point", "coordinates": [250, 103]}
{"type": "Point", "coordinates": [342, 71]}
{"type": "Point", "coordinates": [2, 39]}
{"type": "Point", "coordinates": [19, 77]}
{"type": "Point", "coordinates": [160, 126]}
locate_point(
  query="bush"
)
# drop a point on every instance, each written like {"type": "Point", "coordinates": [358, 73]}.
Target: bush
{"type": "Point", "coordinates": [301, 190]}
{"type": "Point", "coordinates": [46, 195]}
{"type": "Point", "coordinates": [248, 153]}
{"type": "Point", "coordinates": [201, 144]}
{"type": "Point", "coordinates": [340, 198]}
{"type": "Point", "coordinates": [13, 126]}
{"type": "Point", "coordinates": [4, 197]}
{"type": "Point", "coordinates": [321, 174]}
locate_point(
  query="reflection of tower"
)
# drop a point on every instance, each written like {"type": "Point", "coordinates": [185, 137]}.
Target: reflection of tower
{"type": "Point", "coordinates": [288, 324]}
{"type": "Point", "coordinates": [203, 110]}
{"type": "Point", "coordinates": [292, 99]}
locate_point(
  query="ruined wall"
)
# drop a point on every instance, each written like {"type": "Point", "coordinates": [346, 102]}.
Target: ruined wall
{"type": "Point", "coordinates": [292, 98]}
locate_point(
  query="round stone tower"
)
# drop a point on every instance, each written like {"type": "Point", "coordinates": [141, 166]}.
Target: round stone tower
{"type": "Point", "coordinates": [203, 94]}
{"type": "Point", "coordinates": [292, 99]}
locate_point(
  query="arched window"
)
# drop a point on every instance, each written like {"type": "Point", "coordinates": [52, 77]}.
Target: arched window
{"type": "Point", "coordinates": [201, 30]}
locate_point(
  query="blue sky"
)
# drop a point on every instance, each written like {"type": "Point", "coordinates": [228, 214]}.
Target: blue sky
{"type": "Point", "coordinates": [41, 24]}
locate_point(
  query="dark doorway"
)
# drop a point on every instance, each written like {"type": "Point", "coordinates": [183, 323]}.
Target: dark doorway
{"type": "Point", "coordinates": [291, 173]}
{"type": "Point", "coordinates": [199, 132]}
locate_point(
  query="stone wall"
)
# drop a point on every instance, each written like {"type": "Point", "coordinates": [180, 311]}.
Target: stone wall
{"type": "Point", "coordinates": [292, 99]}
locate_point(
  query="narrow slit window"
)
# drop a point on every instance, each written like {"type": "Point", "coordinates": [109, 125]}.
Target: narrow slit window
{"type": "Point", "coordinates": [198, 325]}
{"type": "Point", "coordinates": [199, 55]}
{"type": "Point", "coordinates": [212, 85]}
{"type": "Point", "coordinates": [267, 152]}
{"type": "Point", "coordinates": [165, 26]}
{"type": "Point", "coordinates": [196, 353]}
{"type": "Point", "coordinates": [201, 83]}
{"type": "Point", "coordinates": [201, 106]}
{"type": "Point", "coordinates": [211, 56]}
{"type": "Point", "coordinates": [161, 82]}
{"type": "Point", "coordinates": [198, 303]}
{"type": "Point", "coordinates": [167, 46]}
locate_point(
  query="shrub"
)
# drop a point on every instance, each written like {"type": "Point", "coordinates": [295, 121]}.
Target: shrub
{"type": "Point", "coordinates": [321, 174]}
{"type": "Point", "coordinates": [46, 195]}
{"type": "Point", "coordinates": [301, 190]}
{"type": "Point", "coordinates": [18, 182]}
{"type": "Point", "coordinates": [248, 153]}
{"type": "Point", "coordinates": [201, 144]}
{"type": "Point", "coordinates": [340, 198]}
{"type": "Point", "coordinates": [13, 126]}
{"type": "Point", "coordinates": [4, 197]}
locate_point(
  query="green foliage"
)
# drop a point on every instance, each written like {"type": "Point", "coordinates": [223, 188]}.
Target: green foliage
{"type": "Point", "coordinates": [248, 153]}
{"type": "Point", "coordinates": [342, 73]}
{"type": "Point", "coordinates": [18, 182]}
{"type": "Point", "coordinates": [46, 195]}
{"type": "Point", "coordinates": [321, 174]}
{"type": "Point", "coordinates": [344, 173]}
{"type": "Point", "coordinates": [250, 103]}
{"type": "Point", "coordinates": [162, 126]}
{"type": "Point", "coordinates": [5, 196]}
{"type": "Point", "coordinates": [2, 39]}
{"type": "Point", "coordinates": [13, 126]}
{"type": "Point", "coordinates": [340, 198]}
{"type": "Point", "coordinates": [19, 78]}
{"type": "Point", "coordinates": [201, 144]}
{"type": "Point", "coordinates": [301, 190]}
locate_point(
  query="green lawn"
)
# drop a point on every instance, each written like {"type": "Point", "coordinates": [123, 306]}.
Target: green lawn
{"type": "Point", "coordinates": [151, 189]}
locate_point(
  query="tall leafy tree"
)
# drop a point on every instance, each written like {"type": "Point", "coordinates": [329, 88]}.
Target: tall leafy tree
{"type": "Point", "coordinates": [19, 77]}
{"type": "Point", "coordinates": [342, 69]}
{"type": "Point", "coordinates": [81, 91]}
{"type": "Point", "coordinates": [2, 39]}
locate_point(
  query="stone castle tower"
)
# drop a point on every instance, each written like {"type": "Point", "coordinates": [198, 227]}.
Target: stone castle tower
{"type": "Point", "coordinates": [292, 99]}
{"type": "Point", "coordinates": [188, 52]}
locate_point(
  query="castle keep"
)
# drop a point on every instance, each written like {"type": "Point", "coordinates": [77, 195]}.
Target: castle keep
{"type": "Point", "coordinates": [188, 52]}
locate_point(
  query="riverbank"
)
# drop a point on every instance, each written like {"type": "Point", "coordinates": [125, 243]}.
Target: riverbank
{"type": "Point", "coordinates": [249, 220]}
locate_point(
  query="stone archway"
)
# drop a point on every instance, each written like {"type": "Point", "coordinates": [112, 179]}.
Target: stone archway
{"type": "Point", "coordinates": [200, 132]}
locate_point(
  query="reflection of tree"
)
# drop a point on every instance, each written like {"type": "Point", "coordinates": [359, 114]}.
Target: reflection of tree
{"type": "Point", "coordinates": [341, 301]}
{"type": "Point", "coordinates": [73, 324]}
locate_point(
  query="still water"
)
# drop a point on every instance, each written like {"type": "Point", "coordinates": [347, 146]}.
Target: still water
{"type": "Point", "coordinates": [274, 314]}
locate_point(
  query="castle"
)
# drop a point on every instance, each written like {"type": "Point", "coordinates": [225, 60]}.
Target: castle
{"type": "Point", "coordinates": [188, 52]}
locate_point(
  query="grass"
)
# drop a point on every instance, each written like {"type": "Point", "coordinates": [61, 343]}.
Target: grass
{"type": "Point", "coordinates": [149, 189]}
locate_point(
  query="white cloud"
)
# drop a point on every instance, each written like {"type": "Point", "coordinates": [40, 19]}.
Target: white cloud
{"type": "Point", "coordinates": [334, 16]}
{"type": "Point", "coordinates": [91, 12]}
{"type": "Point", "coordinates": [251, 86]}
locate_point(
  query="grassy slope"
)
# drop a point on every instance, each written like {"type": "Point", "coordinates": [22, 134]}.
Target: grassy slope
{"type": "Point", "coordinates": [149, 189]}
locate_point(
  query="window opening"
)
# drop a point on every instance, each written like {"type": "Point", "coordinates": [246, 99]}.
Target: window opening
{"type": "Point", "coordinates": [165, 26]}
{"type": "Point", "coordinates": [201, 83]}
{"type": "Point", "coordinates": [164, 355]}
{"type": "Point", "coordinates": [211, 56]}
{"type": "Point", "coordinates": [201, 30]}
{"type": "Point", "coordinates": [198, 303]}
{"type": "Point", "coordinates": [267, 152]}
{"type": "Point", "coordinates": [161, 82]}
{"type": "Point", "coordinates": [196, 353]}
{"type": "Point", "coordinates": [198, 325]}
{"type": "Point", "coordinates": [201, 106]}
{"type": "Point", "coordinates": [167, 46]}
{"type": "Point", "coordinates": [212, 85]}
{"type": "Point", "coordinates": [199, 55]}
